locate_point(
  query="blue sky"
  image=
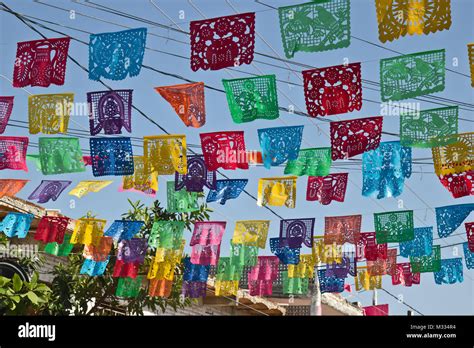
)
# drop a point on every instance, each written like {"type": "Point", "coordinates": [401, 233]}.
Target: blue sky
{"type": "Point", "coordinates": [428, 297]}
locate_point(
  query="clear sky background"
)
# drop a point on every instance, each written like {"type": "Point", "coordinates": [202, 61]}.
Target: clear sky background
{"type": "Point", "coordinates": [423, 190]}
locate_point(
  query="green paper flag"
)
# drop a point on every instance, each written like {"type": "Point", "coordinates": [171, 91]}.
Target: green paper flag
{"type": "Point", "coordinates": [227, 271]}
{"type": "Point", "coordinates": [243, 255]}
{"type": "Point", "coordinates": [429, 128]}
{"type": "Point", "coordinates": [128, 287]}
{"type": "Point", "coordinates": [295, 286]}
{"type": "Point", "coordinates": [315, 26]}
{"type": "Point", "coordinates": [429, 263]}
{"type": "Point", "coordinates": [412, 75]}
{"type": "Point", "coordinates": [311, 162]}
{"type": "Point", "coordinates": [166, 234]}
{"type": "Point", "coordinates": [181, 201]}
{"type": "Point", "coordinates": [56, 249]}
{"type": "Point", "coordinates": [60, 155]}
{"type": "Point", "coordinates": [252, 98]}
{"type": "Point", "coordinates": [394, 226]}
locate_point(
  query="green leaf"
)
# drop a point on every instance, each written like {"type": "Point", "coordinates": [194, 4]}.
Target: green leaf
{"type": "Point", "coordinates": [17, 283]}
{"type": "Point", "coordinates": [15, 298]}
{"type": "Point", "coordinates": [33, 297]}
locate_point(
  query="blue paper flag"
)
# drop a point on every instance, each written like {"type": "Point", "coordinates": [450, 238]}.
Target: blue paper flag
{"type": "Point", "coordinates": [112, 156]}
{"type": "Point", "coordinates": [421, 245]}
{"type": "Point", "coordinates": [280, 144]}
{"type": "Point", "coordinates": [468, 256]}
{"type": "Point", "coordinates": [287, 255]}
{"type": "Point", "coordinates": [450, 217]}
{"type": "Point", "coordinates": [226, 189]}
{"type": "Point", "coordinates": [330, 283]}
{"type": "Point", "coordinates": [123, 229]}
{"type": "Point", "coordinates": [94, 268]}
{"type": "Point", "coordinates": [450, 273]}
{"type": "Point", "coordinates": [195, 273]}
{"type": "Point", "coordinates": [16, 224]}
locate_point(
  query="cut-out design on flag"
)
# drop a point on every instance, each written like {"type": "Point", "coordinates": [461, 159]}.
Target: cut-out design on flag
{"type": "Point", "coordinates": [401, 18]}
{"type": "Point", "coordinates": [243, 255]}
{"type": "Point", "coordinates": [123, 269]}
{"type": "Point", "coordinates": [281, 249]}
{"type": "Point", "coordinates": [325, 189]}
{"type": "Point", "coordinates": [450, 217]}
{"type": "Point", "coordinates": [412, 75]}
{"type": "Point", "coordinates": [297, 232]}
{"type": "Point", "coordinates": [226, 189]}
{"type": "Point", "coordinates": [451, 272]}
{"type": "Point", "coordinates": [262, 276]}
{"type": "Point", "coordinates": [6, 108]}
{"type": "Point", "coordinates": [252, 98]}
{"type": "Point", "coordinates": [10, 187]}
{"type": "Point", "coordinates": [394, 226]}
{"type": "Point", "coordinates": [197, 176]}
{"type": "Point", "coordinates": [160, 288]}
{"type": "Point", "coordinates": [165, 154]}
{"type": "Point", "coordinates": [354, 137]}
{"type": "Point", "coordinates": [195, 273]}
{"type": "Point", "coordinates": [344, 268]}
{"type": "Point", "coordinates": [123, 229]}
{"type": "Point", "coordinates": [128, 287]}
{"type": "Point", "coordinates": [383, 266]}
{"type": "Point", "coordinates": [110, 111]}
{"type": "Point", "coordinates": [140, 181]}
{"type": "Point", "coordinates": [376, 311]}
{"type": "Point", "coordinates": [280, 144]}
{"type": "Point", "coordinates": [326, 253]}
{"type": "Point", "coordinates": [226, 270]}
{"type": "Point", "coordinates": [304, 269]}
{"type": "Point", "coordinates": [166, 234]}
{"type": "Point", "coordinates": [224, 150]}
{"type": "Point", "coordinates": [49, 189]}
{"type": "Point", "coordinates": [456, 157]}
{"type": "Point", "coordinates": [206, 242]}
{"type": "Point", "coordinates": [187, 100]}
{"type": "Point", "coordinates": [470, 52]}
{"type": "Point", "coordinates": [132, 250]}
{"type": "Point", "coordinates": [116, 55]}
{"type": "Point", "coordinates": [94, 268]}
{"type": "Point", "coordinates": [404, 276]}
{"type": "Point", "coordinates": [428, 263]}
{"type": "Point", "coordinates": [193, 289]}
{"type": "Point", "coordinates": [277, 191]}
{"type": "Point", "coordinates": [13, 153]}
{"type": "Point", "coordinates": [333, 90]}
{"type": "Point", "coordinates": [181, 201]}
{"type": "Point", "coordinates": [429, 128]}
{"type": "Point", "coordinates": [99, 252]}
{"type": "Point", "coordinates": [342, 229]}
{"type": "Point", "coordinates": [251, 232]}
{"type": "Point", "coordinates": [384, 170]}
{"type": "Point", "coordinates": [294, 286]}
{"type": "Point", "coordinates": [468, 256]}
{"type": "Point", "coordinates": [368, 248]}
{"type": "Point", "coordinates": [41, 62]}
{"type": "Point", "coordinates": [226, 287]}
{"type": "Point", "coordinates": [312, 162]}
{"type": "Point", "coordinates": [164, 263]}
{"type": "Point", "coordinates": [49, 113]}
{"type": "Point", "coordinates": [330, 283]}
{"type": "Point", "coordinates": [88, 231]}
{"type": "Point", "coordinates": [222, 42]}
{"type": "Point", "coordinates": [459, 184]}
{"type": "Point", "coordinates": [85, 187]}
{"type": "Point", "coordinates": [52, 229]}
{"type": "Point", "coordinates": [60, 155]}
{"type": "Point", "coordinates": [421, 245]}
{"type": "Point", "coordinates": [16, 224]}
{"type": "Point", "coordinates": [57, 249]}
{"type": "Point", "coordinates": [315, 26]}
{"type": "Point", "coordinates": [363, 280]}
{"type": "Point", "coordinates": [470, 234]}
{"type": "Point", "coordinates": [112, 156]}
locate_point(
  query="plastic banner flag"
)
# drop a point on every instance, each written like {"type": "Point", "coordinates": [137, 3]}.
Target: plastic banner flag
{"type": "Point", "coordinates": [123, 229]}
{"type": "Point", "coordinates": [160, 288]}
{"type": "Point", "coordinates": [384, 170]}
{"type": "Point", "coordinates": [456, 157]}
{"type": "Point", "coordinates": [187, 100]}
{"type": "Point", "coordinates": [112, 156]}
{"type": "Point", "coordinates": [85, 187]}
{"type": "Point", "coordinates": [243, 255]}
{"type": "Point", "coordinates": [401, 18]}
{"type": "Point", "coordinates": [315, 26]}
{"type": "Point", "coordinates": [326, 253]}
{"type": "Point", "coordinates": [88, 231]}
{"type": "Point", "coordinates": [49, 113]}
{"type": "Point", "coordinates": [281, 249]}
{"type": "Point", "coordinates": [222, 42]}
{"type": "Point", "coordinates": [110, 111]}
{"type": "Point", "coordinates": [325, 189]}
{"type": "Point", "coordinates": [368, 249]}
{"type": "Point", "coordinates": [394, 226]}
{"type": "Point", "coordinates": [52, 229]}
{"type": "Point", "coordinates": [58, 249]}
{"type": "Point", "coordinates": [123, 269]}
{"type": "Point", "coordinates": [428, 263]}
{"type": "Point", "coordinates": [412, 75]}
{"type": "Point", "coordinates": [252, 98]}
{"type": "Point", "coordinates": [193, 289]}
{"type": "Point", "coordinates": [60, 155]}
{"type": "Point", "coordinates": [226, 270]}
{"type": "Point", "coordinates": [140, 181]}
{"type": "Point", "coordinates": [94, 268]}
{"type": "Point", "coordinates": [280, 144]}
{"type": "Point", "coordinates": [333, 90]}
{"type": "Point", "coordinates": [383, 266]}
{"type": "Point", "coordinates": [197, 176]}
{"type": "Point", "coordinates": [312, 162]}
{"type": "Point", "coordinates": [277, 191]}
{"type": "Point", "coordinates": [262, 276]}
{"type": "Point", "coordinates": [116, 55]}
{"type": "Point", "coordinates": [10, 187]}
{"type": "Point", "coordinates": [450, 217]}
{"type": "Point", "coordinates": [297, 232]}
{"type": "Point", "coordinates": [226, 287]}
{"type": "Point", "coordinates": [166, 234]}
{"type": "Point", "coordinates": [342, 229]}
{"type": "Point", "coordinates": [226, 189]}
{"type": "Point", "coordinates": [404, 276]}
{"type": "Point", "coordinates": [164, 263]}
{"type": "Point", "coordinates": [16, 224]}
{"type": "Point", "coordinates": [181, 201]}
{"type": "Point", "coordinates": [429, 128]}
{"type": "Point", "coordinates": [251, 232]}
{"type": "Point", "coordinates": [49, 189]}
{"type": "Point", "coordinates": [13, 153]}
{"type": "Point", "coordinates": [100, 251]}
{"type": "Point", "coordinates": [348, 265]}
{"type": "Point", "coordinates": [41, 62]}
{"type": "Point", "coordinates": [224, 150]}
{"type": "Point", "coordinates": [6, 107]}
{"type": "Point", "coordinates": [206, 242]}
{"type": "Point", "coordinates": [421, 245]}
{"type": "Point", "coordinates": [165, 154]}
{"type": "Point", "coordinates": [128, 287]}
{"type": "Point", "coordinates": [451, 272]}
